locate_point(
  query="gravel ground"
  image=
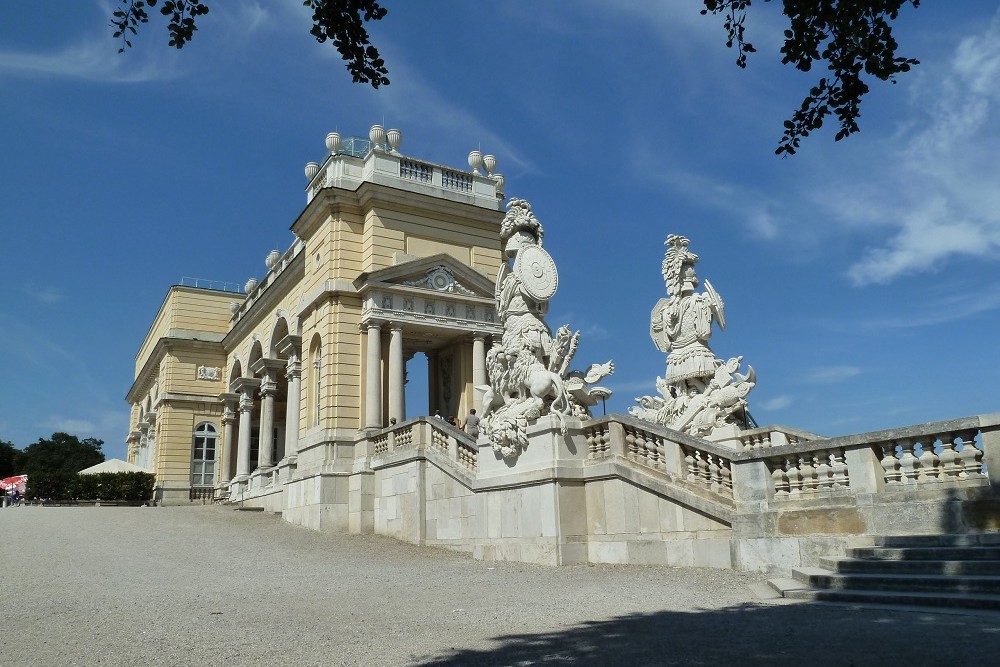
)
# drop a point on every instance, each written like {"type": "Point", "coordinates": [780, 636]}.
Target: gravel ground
{"type": "Point", "coordinates": [212, 586]}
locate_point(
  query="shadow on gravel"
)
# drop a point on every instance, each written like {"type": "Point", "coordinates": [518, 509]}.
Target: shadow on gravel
{"type": "Point", "coordinates": [753, 635]}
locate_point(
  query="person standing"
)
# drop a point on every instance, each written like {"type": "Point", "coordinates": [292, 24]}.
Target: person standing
{"type": "Point", "coordinates": [472, 423]}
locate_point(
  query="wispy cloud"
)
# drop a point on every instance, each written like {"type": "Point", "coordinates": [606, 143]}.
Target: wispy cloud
{"type": "Point", "coordinates": [830, 374]}
{"type": "Point", "coordinates": [776, 403]}
{"type": "Point", "coordinates": [953, 307]}
{"type": "Point", "coordinates": [94, 59]}
{"type": "Point", "coordinates": [47, 295]}
{"type": "Point", "coordinates": [939, 196]}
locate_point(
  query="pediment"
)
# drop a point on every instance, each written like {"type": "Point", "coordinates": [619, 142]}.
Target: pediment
{"type": "Point", "coordinates": [440, 273]}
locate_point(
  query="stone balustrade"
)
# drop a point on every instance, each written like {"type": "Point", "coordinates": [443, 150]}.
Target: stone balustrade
{"type": "Point", "coordinates": [774, 436]}
{"type": "Point", "coordinates": [432, 433]}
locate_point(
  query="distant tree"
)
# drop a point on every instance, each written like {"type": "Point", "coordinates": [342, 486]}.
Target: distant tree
{"type": "Point", "coordinates": [10, 459]}
{"type": "Point", "coordinates": [853, 37]}
{"type": "Point", "coordinates": [62, 453]}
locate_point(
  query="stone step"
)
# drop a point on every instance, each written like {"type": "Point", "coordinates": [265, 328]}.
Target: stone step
{"type": "Point", "coordinates": [927, 553]}
{"type": "Point", "coordinates": [867, 565]}
{"type": "Point", "coordinates": [973, 539]}
{"type": "Point", "coordinates": [895, 598]}
{"type": "Point", "coordinates": [929, 583]}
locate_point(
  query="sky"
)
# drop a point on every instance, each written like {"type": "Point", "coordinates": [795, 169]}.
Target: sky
{"type": "Point", "coordinates": [860, 277]}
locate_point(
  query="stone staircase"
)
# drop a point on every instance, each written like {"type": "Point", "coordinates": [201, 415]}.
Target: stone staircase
{"type": "Point", "coordinates": [957, 571]}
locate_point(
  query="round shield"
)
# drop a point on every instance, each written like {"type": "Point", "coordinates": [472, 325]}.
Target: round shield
{"type": "Point", "coordinates": [656, 325]}
{"type": "Point", "coordinates": [537, 272]}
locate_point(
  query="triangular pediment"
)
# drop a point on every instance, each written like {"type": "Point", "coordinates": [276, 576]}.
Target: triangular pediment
{"type": "Point", "coordinates": [440, 273]}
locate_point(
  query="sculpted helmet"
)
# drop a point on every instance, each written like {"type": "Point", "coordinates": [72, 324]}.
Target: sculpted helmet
{"type": "Point", "coordinates": [675, 260]}
{"type": "Point", "coordinates": [519, 218]}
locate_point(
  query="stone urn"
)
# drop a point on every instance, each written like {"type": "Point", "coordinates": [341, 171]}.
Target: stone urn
{"type": "Point", "coordinates": [333, 142]}
{"type": "Point", "coordinates": [490, 164]}
{"type": "Point", "coordinates": [394, 138]}
{"type": "Point", "coordinates": [377, 135]}
{"type": "Point", "coordinates": [475, 161]}
{"type": "Point", "coordinates": [311, 170]}
{"type": "Point", "coordinates": [250, 285]}
{"type": "Point", "coordinates": [272, 259]}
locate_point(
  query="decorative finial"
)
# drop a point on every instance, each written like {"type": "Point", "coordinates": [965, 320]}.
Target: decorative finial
{"type": "Point", "coordinates": [311, 170]}
{"type": "Point", "coordinates": [377, 135]}
{"type": "Point", "coordinates": [394, 138]}
{"type": "Point", "coordinates": [476, 161]}
{"type": "Point", "coordinates": [333, 142]}
{"type": "Point", "coordinates": [490, 163]}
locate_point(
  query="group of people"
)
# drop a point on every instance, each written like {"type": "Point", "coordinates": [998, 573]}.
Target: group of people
{"type": "Point", "coordinates": [470, 425]}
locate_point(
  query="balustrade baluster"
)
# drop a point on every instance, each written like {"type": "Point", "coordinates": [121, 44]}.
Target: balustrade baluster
{"type": "Point", "coordinates": [714, 476]}
{"type": "Point", "coordinates": [890, 464]}
{"type": "Point", "coordinates": [704, 476]}
{"type": "Point", "coordinates": [821, 464]}
{"type": "Point", "coordinates": [808, 473]}
{"type": "Point", "coordinates": [972, 457]}
{"type": "Point", "coordinates": [950, 461]}
{"type": "Point", "coordinates": [779, 480]}
{"type": "Point", "coordinates": [908, 463]}
{"type": "Point", "coordinates": [690, 466]}
{"type": "Point", "coordinates": [794, 476]}
{"type": "Point", "coordinates": [929, 462]}
{"type": "Point", "coordinates": [839, 468]}
{"type": "Point", "coordinates": [726, 477]}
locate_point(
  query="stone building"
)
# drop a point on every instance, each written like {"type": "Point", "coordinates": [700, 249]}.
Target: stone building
{"type": "Point", "coordinates": [290, 396]}
{"type": "Point", "coordinates": [391, 256]}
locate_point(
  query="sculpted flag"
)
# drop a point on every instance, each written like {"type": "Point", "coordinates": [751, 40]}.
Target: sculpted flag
{"type": "Point", "coordinates": [16, 483]}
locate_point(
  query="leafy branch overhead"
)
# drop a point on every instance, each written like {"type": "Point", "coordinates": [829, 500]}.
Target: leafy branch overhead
{"type": "Point", "coordinates": [851, 36]}
{"type": "Point", "coordinates": [340, 21]}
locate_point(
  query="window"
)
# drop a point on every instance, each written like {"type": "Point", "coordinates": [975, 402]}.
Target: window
{"type": "Point", "coordinates": [206, 439]}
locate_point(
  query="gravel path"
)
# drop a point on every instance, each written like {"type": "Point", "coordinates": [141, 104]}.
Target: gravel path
{"type": "Point", "coordinates": [211, 586]}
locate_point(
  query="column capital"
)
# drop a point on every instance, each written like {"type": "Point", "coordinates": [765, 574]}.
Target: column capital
{"type": "Point", "coordinates": [229, 400]}
{"type": "Point", "coordinates": [228, 416]}
{"type": "Point", "coordinates": [395, 327]}
{"type": "Point", "coordinates": [293, 370]}
{"type": "Point", "coordinates": [268, 387]}
{"type": "Point", "coordinates": [267, 369]}
{"type": "Point", "coordinates": [290, 346]}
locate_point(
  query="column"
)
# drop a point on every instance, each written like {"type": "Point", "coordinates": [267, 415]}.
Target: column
{"type": "Point", "coordinates": [478, 369]}
{"type": "Point", "coordinates": [243, 448]}
{"type": "Point", "coordinates": [291, 347]}
{"type": "Point", "coordinates": [266, 451]}
{"type": "Point", "coordinates": [293, 373]}
{"type": "Point", "coordinates": [397, 393]}
{"type": "Point", "coordinates": [226, 453]}
{"type": "Point", "coordinates": [373, 393]}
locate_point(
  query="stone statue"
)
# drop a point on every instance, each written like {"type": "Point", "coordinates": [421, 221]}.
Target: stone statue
{"type": "Point", "coordinates": [529, 370]}
{"type": "Point", "coordinates": [700, 394]}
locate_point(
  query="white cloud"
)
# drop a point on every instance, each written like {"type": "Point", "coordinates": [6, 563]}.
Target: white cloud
{"type": "Point", "coordinates": [831, 374]}
{"type": "Point", "coordinates": [46, 295]}
{"type": "Point", "coordinates": [95, 59]}
{"type": "Point", "coordinates": [776, 403]}
{"type": "Point", "coordinates": [956, 306]}
{"type": "Point", "coordinates": [938, 194]}
{"type": "Point", "coordinates": [80, 427]}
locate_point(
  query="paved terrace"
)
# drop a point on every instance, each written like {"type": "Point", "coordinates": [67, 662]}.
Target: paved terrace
{"type": "Point", "coordinates": [212, 586]}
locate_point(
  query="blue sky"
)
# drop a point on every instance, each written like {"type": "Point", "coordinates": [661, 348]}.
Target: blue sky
{"type": "Point", "coordinates": [860, 278]}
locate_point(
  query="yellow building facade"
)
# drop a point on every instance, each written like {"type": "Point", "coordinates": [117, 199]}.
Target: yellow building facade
{"type": "Point", "coordinates": [263, 394]}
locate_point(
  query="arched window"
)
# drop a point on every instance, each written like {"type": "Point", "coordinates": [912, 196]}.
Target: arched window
{"type": "Point", "coordinates": [206, 438]}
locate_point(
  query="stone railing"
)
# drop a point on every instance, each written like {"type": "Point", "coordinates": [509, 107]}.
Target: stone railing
{"type": "Point", "coordinates": [774, 436]}
{"type": "Point", "coordinates": [432, 433]}
{"type": "Point", "coordinates": [953, 453]}
{"type": "Point", "coordinates": [691, 461]}
{"type": "Point", "coordinates": [925, 456]}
